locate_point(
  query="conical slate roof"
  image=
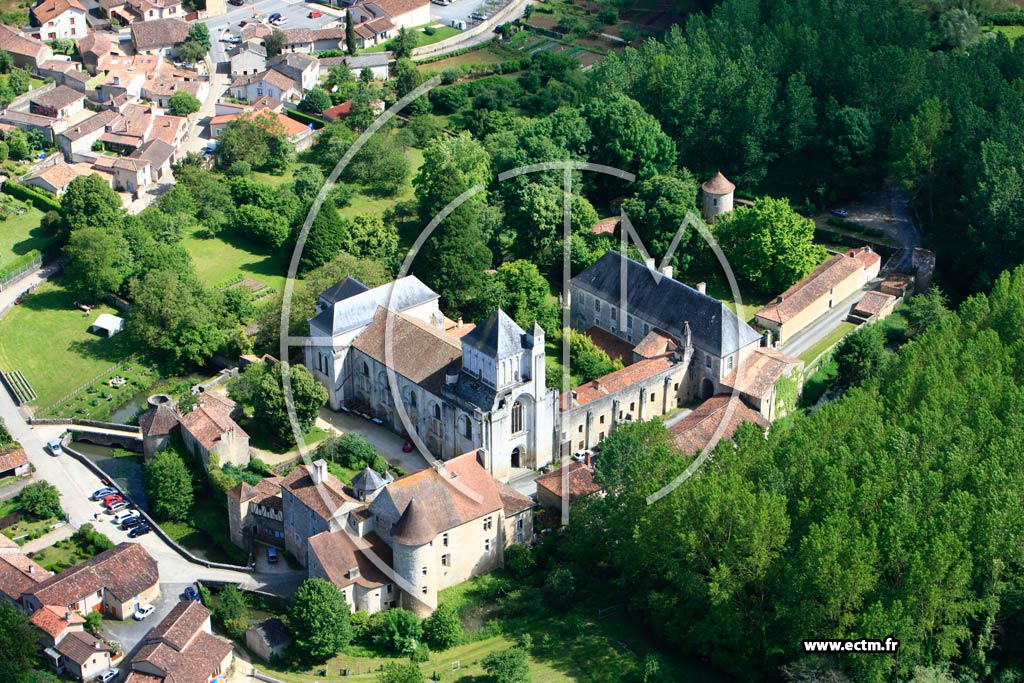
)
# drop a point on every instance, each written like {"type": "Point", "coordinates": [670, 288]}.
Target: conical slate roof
{"type": "Point", "coordinates": [413, 527]}
{"type": "Point", "coordinates": [369, 480]}
{"type": "Point", "coordinates": [719, 184]}
{"type": "Point", "coordinates": [499, 336]}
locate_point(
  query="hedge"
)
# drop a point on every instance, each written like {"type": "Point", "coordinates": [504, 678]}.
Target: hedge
{"type": "Point", "coordinates": [39, 199]}
{"type": "Point", "coordinates": [18, 263]}
{"type": "Point", "coordinates": [1003, 18]}
{"type": "Point", "coordinates": [303, 117]}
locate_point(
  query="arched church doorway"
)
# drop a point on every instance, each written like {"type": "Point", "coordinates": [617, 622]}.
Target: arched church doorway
{"type": "Point", "coordinates": [707, 388]}
{"type": "Point", "coordinates": [517, 456]}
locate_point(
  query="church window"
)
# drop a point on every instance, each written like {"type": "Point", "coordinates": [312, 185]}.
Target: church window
{"type": "Point", "coordinates": [437, 411]}
{"type": "Point", "coordinates": [653, 396]}
{"type": "Point", "coordinates": [487, 545]}
{"type": "Point", "coordinates": [580, 429]}
{"type": "Point", "coordinates": [444, 539]}
{"type": "Point", "coordinates": [517, 417]}
{"type": "Point", "coordinates": [632, 406]}
{"type": "Point", "coordinates": [602, 419]}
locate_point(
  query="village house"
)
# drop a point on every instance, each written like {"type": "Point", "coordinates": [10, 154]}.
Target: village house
{"type": "Point", "coordinates": [270, 83]}
{"type": "Point", "coordinates": [28, 121]}
{"type": "Point", "coordinates": [312, 40]}
{"type": "Point", "coordinates": [829, 285]}
{"type": "Point", "coordinates": [60, 19]}
{"type": "Point", "coordinates": [181, 649]}
{"type": "Point", "coordinates": [160, 156]}
{"type": "Point", "coordinates": [60, 103]}
{"type": "Point", "coordinates": [160, 88]}
{"type": "Point", "coordinates": [873, 306]}
{"type": "Point", "coordinates": [78, 139]}
{"type": "Point", "coordinates": [268, 118]}
{"type": "Point", "coordinates": [148, 10]}
{"type": "Point", "coordinates": [247, 59]}
{"type": "Point", "coordinates": [302, 69]}
{"type": "Point", "coordinates": [158, 37]}
{"type": "Point", "coordinates": [81, 656]}
{"type": "Point", "coordinates": [208, 430]}
{"type": "Point", "coordinates": [64, 72]}
{"type": "Point", "coordinates": [55, 624]}
{"type": "Point", "coordinates": [18, 573]}
{"type": "Point", "coordinates": [759, 379]}
{"type": "Point", "coordinates": [95, 46]}
{"type": "Point", "coordinates": [131, 174]}
{"type": "Point", "coordinates": [376, 62]}
{"type": "Point", "coordinates": [55, 179]}
{"type": "Point", "coordinates": [26, 52]}
{"type": "Point", "coordinates": [114, 582]}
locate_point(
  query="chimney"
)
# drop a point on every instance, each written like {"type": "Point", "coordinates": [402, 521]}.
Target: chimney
{"type": "Point", "coordinates": [31, 568]}
{"type": "Point", "coordinates": [97, 645]}
{"type": "Point", "coordinates": [778, 299]}
{"type": "Point", "coordinates": [67, 615]}
{"type": "Point", "coordinates": [319, 471]}
{"type": "Point", "coordinates": [596, 384]}
{"type": "Point", "coordinates": [458, 323]}
{"type": "Point", "coordinates": [667, 271]}
{"type": "Point", "coordinates": [702, 287]}
{"type": "Point", "coordinates": [649, 262]}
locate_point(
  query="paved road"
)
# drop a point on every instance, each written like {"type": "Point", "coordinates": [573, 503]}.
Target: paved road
{"type": "Point", "coordinates": [823, 326]}
{"type": "Point", "coordinates": [387, 443]}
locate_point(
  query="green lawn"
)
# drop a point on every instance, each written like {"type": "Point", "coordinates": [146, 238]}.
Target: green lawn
{"type": "Point", "coordinates": [1012, 33]}
{"type": "Point", "coordinates": [20, 234]}
{"type": "Point", "coordinates": [226, 257]}
{"type": "Point", "coordinates": [48, 340]}
{"type": "Point", "coordinates": [827, 341]}
{"type": "Point", "coordinates": [485, 55]}
{"type": "Point", "coordinates": [440, 33]}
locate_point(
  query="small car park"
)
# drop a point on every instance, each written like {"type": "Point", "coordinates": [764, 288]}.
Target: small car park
{"type": "Point", "coordinates": [143, 611]}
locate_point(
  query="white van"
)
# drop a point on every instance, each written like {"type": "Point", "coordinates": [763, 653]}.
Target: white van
{"type": "Point", "coordinates": [459, 24]}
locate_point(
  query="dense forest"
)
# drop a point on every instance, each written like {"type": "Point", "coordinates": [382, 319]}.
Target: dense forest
{"type": "Point", "coordinates": [893, 511]}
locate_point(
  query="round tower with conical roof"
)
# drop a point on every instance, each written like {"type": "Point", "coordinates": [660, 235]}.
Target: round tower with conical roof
{"type": "Point", "coordinates": [414, 558]}
{"type": "Point", "coordinates": [717, 197]}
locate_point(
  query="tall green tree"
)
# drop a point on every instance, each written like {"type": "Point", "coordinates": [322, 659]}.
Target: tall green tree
{"type": "Point", "coordinates": [319, 620]}
{"type": "Point", "coordinates": [918, 148]}
{"type": "Point", "coordinates": [41, 500]}
{"type": "Point", "coordinates": [183, 103]}
{"type": "Point", "coordinates": [168, 486]}
{"type": "Point", "coordinates": [89, 202]}
{"type": "Point", "coordinates": [97, 261]}
{"type": "Point", "coordinates": [769, 245]}
{"type": "Point", "coordinates": [260, 390]}
{"type": "Point", "coordinates": [628, 138]}
{"type": "Point", "coordinates": [18, 643]}
{"type": "Point", "coordinates": [350, 33]}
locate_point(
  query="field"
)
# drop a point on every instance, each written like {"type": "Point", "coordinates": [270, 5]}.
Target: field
{"type": "Point", "coordinates": [224, 258]}
{"type": "Point", "coordinates": [440, 33]}
{"type": "Point", "coordinates": [48, 340]}
{"type": "Point", "coordinates": [1012, 33]}
{"type": "Point", "coordinates": [20, 234]}
{"type": "Point", "coordinates": [489, 54]}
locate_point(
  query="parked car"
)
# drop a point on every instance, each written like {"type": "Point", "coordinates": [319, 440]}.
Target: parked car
{"type": "Point", "coordinates": [842, 213]}
{"type": "Point", "coordinates": [131, 522]}
{"type": "Point", "coordinates": [478, 16]}
{"type": "Point", "coordinates": [143, 611]}
{"type": "Point", "coordinates": [274, 17]}
{"type": "Point", "coordinates": [315, 14]}
{"type": "Point", "coordinates": [281, 21]}
{"type": "Point", "coordinates": [123, 515]}
{"type": "Point", "coordinates": [119, 505]}
{"type": "Point", "coordinates": [54, 447]}
{"type": "Point", "coordinates": [107, 676]}
{"type": "Point", "coordinates": [100, 494]}
{"type": "Point", "coordinates": [112, 498]}
{"type": "Point", "coordinates": [140, 530]}
{"type": "Point", "coordinates": [243, 23]}
{"type": "Point", "coordinates": [191, 593]}
{"type": "Point", "coordinates": [409, 445]}
{"type": "Point", "coordinates": [272, 555]}
{"type": "Point", "coordinates": [236, 3]}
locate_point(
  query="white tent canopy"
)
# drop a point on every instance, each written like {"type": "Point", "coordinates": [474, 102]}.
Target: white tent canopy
{"type": "Point", "coordinates": [110, 324]}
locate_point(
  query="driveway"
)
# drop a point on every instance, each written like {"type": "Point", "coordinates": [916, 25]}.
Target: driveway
{"type": "Point", "coordinates": [823, 326]}
{"type": "Point", "coordinates": [888, 210]}
{"type": "Point", "coordinates": [129, 632]}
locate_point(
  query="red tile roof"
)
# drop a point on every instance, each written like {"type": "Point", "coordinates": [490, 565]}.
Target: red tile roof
{"type": "Point", "coordinates": [618, 380]}
{"type": "Point", "coordinates": [323, 500]}
{"type": "Point", "coordinates": [208, 423]}
{"type": "Point", "coordinates": [696, 430]}
{"type": "Point", "coordinates": [616, 347]}
{"type": "Point", "coordinates": [49, 9]}
{"type": "Point", "coordinates": [181, 648]}
{"type": "Point", "coordinates": [80, 647]}
{"type": "Point", "coordinates": [581, 481]}
{"type": "Point", "coordinates": [339, 553]}
{"type": "Point", "coordinates": [13, 457]}
{"type": "Point", "coordinates": [718, 184]}
{"type": "Point", "coordinates": [19, 574]}
{"type": "Point", "coordinates": [761, 371]}
{"type": "Point", "coordinates": [606, 226]}
{"type": "Point", "coordinates": [837, 269]}
{"type": "Point", "coordinates": [873, 303]}
{"type": "Point", "coordinates": [54, 620]}
{"type": "Point", "coordinates": [125, 571]}
{"type": "Point", "coordinates": [338, 111]}
{"type": "Point", "coordinates": [654, 344]}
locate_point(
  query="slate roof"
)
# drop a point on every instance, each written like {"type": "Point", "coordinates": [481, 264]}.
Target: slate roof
{"type": "Point", "coordinates": [499, 336]}
{"type": "Point", "coordinates": [343, 289]}
{"type": "Point", "coordinates": [816, 285]}
{"type": "Point", "coordinates": [718, 184]}
{"type": "Point", "coordinates": [339, 553]}
{"type": "Point", "coordinates": [158, 33]}
{"type": "Point", "coordinates": [761, 371]}
{"type": "Point", "coordinates": [448, 497]}
{"type": "Point", "coordinates": [80, 646]}
{"type": "Point", "coordinates": [359, 310]}
{"type": "Point", "coordinates": [419, 352]}
{"type": "Point", "coordinates": [370, 480]}
{"type": "Point", "coordinates": [694, 432]}
{"type": "Point", "coordinates": [581, 481]}
{"type": "Point", "coordinates": [667, 304]}
{"type": "Point", "coordinates": [126, 570]}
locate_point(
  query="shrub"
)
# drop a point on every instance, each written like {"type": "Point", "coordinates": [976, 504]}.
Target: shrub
{"type": "Point", "coordinates": [90, 540]}
{"type": "Point", "coordinates": [41, 500]}
{"type": "Point", "coordinates": [420, 654]}
{"type": "Point", "coordinates": [395, 630]}
{"type": "Point", "coordinates": [519, 560]}
{"type": "Point", "coordinates": [442, 629]}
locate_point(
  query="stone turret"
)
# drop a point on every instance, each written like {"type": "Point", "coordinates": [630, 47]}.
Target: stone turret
{"type": "Point", "coordinates": [717, 197]}
{"type": "Point", "coordinates": [413, 560]}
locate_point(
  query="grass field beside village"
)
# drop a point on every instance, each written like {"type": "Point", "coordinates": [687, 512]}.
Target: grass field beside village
{"type": "Point", "coordinates": [441, 32]}
{"type": "Point", "coordinates": [222, 258]}
{"type": "Point", "coordinates": [48, 340]}
{"type": "Point", "coordinates": [21, 234]}
{"type": "Point", "coordinates": [1012, 33]}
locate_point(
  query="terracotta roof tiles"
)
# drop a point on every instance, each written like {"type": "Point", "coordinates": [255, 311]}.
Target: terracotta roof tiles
{"type": "Point", "coordinates": [694, 432]}
{"type": "Point", "coordinates": [125, 570]}
{"type": "Point", "coordinates": [581, 481]}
